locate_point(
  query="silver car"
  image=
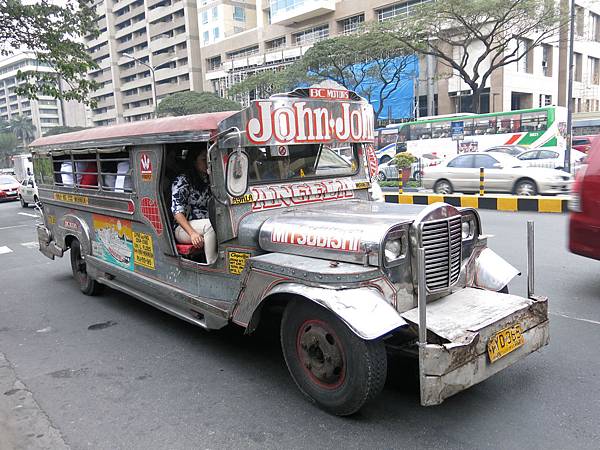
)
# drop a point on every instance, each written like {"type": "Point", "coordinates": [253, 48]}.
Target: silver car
{"type": "Point", "coordinates": [502, 173]}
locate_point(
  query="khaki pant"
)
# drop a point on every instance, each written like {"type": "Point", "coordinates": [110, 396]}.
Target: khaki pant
{"type": "Point", "coordinates": [204, 229]}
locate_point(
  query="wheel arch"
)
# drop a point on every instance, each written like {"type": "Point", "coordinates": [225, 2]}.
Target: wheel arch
{"type": "Point", "coordinates": [363, 310]}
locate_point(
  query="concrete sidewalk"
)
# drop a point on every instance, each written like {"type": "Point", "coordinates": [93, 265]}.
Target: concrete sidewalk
{"type": "Point", "coordinates": [23, 424]}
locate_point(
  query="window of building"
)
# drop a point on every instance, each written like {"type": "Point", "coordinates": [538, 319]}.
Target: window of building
{"type": "Point", "coordinates": [547, 51]}
{"type": "Point", "coordinates": [215, 13]}
{"type": "Point", "coordinates": [594, 70]}
{"type": "Point", "coordinates": [243, 52]}
{"type": "Point", "coordinates": [311, 35]}
{"type": "Point", "coordinates": [239, 13]}
{"type": "Point", "coordinates": [213, 63]}
{"type": "Point", "coordinates": [579, 21]}
{"type": "Point", "coordinates": [399, 9]}
{"type": "Point", "coordinates": [275, 43]}
{"type": "Point", "coordinates": [205, 37]}
{"type": "Point", "coordinates": [216, 33]}
{"type": "Point", "coordinates": [351, 24]}
{"type": "Point", "coordinates": [594, 33]}
{"type": "Point", "coordinates": [545, 100]}
{"type": "Point", "coordinates": [205, 17]}
{"type": "Point", "coordinates": [525, 55]}
{"type": "Point", "coordinates": [578, 66]}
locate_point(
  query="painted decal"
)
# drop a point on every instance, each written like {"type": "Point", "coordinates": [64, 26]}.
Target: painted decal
{"type": "Point", "coordinates": [363, 185]}
{"type": "Point", "coordinates": [246, 198]}
{"type": "Point", "coordinates": [279, 196]}
{"type": "Point", "coordinates": [70, 225]}
{"type": "Point", "coordinates": [113, 241]}
{"type": "Point", "coordinates": [309, 237]}
{"type": "Point", "coordinates": [51, 219]}
{"type": "Point", "coordinates": [372, 162]}
{"type": "Point", "coordinates": [299, 123]}
{"type": "Point", "coordinates": [71, 198]}
{"type": "Point", "coordinates": [143, 250]}
{"type": "Point", "coordinates": [151, 213]}
{"type": "Point", "coordinates": [146, 167]}
{"type": "Point", "coordinates": [237, 262]}
{"type": "Point", "coordinates": [329, 94]}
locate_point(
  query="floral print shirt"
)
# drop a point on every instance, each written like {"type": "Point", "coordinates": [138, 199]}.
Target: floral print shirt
{"type": "Point", "coordinates": [191, 201]}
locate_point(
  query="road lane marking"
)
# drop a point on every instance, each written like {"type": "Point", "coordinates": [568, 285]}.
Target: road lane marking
{"type": "Point", "coordinates": [16, 226]}
{"type": "Point", "coordinates": [595, 322]}
{"type": "Point", "coordinates": [32, 244]}
{"type": "Point", "coordinates": [28, 214]}
{"type": "Point", "coordinates": [4, 250]}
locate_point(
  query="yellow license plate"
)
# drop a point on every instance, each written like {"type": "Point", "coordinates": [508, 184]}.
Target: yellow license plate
{"type": "Point", "coordinates": [504, 342]}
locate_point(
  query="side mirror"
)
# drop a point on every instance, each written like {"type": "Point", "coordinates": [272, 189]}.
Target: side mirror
{"type": "Point", "coordinates": [237, 173]}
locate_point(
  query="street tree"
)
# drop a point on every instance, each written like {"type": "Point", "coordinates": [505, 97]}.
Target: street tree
{"type": "Point", "coordinates": [53, 31]}
{"type": "Point", "coordinates": [191, 102]}
{"type": "Point", "coordinates": [8, 144]}
{"type": "Point", "coordinates": [23, 128]}
{"type": "Point", "coordinates": [474, 38]}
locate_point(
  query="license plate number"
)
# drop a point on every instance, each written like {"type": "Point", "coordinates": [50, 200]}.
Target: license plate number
{"type": "Point", "coordinates": [504, 342]}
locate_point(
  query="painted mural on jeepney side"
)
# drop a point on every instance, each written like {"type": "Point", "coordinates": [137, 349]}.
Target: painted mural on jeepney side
{"type": "Point", "coordinates": [113, 241]}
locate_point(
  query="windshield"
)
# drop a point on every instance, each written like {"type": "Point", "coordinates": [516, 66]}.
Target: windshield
{"type": "Point", "coordinates": [280, 163]}
{"type": "Point", "coordinates": [7, 180]}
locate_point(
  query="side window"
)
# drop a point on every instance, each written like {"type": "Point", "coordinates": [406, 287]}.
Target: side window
{"type": "Point", "coordinates": [529, 155]}
{"type": "Point", "coordinates": [115, 171]}
{"type": "Point", "coordinates": [485, 161]}
{"type": "Point", "coordinates": [548, 154]}
{"type": "Point", "coordinates": [464, 162]}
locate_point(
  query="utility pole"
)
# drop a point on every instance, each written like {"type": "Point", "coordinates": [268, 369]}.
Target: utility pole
{"type": "Point", "coordinates": [429, 64]}
{"type": "Point", "coordinates": [567, 163]}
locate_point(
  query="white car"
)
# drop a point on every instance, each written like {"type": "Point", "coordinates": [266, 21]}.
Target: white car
{"type": "Point", "coordinates": [28, 191]}
{"type": "Point", "coordinates": [502, 173]}
{"type": "Point", "coordinates": [550, 157]}
{"type": "Point", "coordinates": [389, 171]}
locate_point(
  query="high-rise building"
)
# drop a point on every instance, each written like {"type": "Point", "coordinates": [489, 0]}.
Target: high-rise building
{"type": "Point", "coordinates": [146, 50]}
{"type": "Point", "coordinates": [46, 112]}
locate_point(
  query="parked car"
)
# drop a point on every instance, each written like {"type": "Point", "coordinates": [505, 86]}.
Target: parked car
{"type": "Point", "coordinates": [28, 191]}
{"type": "Point", "coordinates": [513, 150]}
{"type": "Point", "coordinates": [584, 220]}
{"type": "Point", "coordinates": [550, 158]}
{"type": "Point", "coordinates": [503, 173]}
{"type": "Point", "coordinates": [8, 186]}
{"type": "Point", "coordinates": [583, 143]}
{"type": "Point", "coordinates": [389, 171]}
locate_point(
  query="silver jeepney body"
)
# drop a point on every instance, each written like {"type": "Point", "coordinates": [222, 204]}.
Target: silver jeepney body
{"type": "Point", "coordinates": [322, 239]}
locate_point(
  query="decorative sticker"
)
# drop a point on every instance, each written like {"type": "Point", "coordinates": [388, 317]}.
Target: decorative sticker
{"type": "Point", "coordinates": [362, 185]}
{"type": "Point", "coordinates": [71, 198]}
{"type": "Point", "coordinates": [70, 225]}
{"type": "Point", "coordinates": [246, 198]}
{"type": "Point", "coordinates": [51, 219]}
{"type": "Point", "coordinates": [310, 237]}
{"type": "Point", "coordinates": [113, 241]}
{"type": "Point", "coordinates": [143, 250]}
{"type": "Point", "coordinates": [237, 261]}
{"type": "Point", "coordinates": [150, 212]}
{"type": "Point", "coordinates": [371, 160]}
{"type": "Point", "coordinates": [146, 167]}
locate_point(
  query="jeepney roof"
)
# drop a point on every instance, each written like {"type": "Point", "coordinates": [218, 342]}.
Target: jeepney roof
{"type": "Point", "coordinates": [195, 128]}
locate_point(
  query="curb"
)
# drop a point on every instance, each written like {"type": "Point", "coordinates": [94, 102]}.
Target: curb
{"type": "Point", "coordinates": [499, 203]}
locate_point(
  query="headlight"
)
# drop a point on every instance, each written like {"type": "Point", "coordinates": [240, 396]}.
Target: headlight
{"type": "Point", "coordinates": [393, 249]}
{"type": "Point", "coordinates": [466, 229]}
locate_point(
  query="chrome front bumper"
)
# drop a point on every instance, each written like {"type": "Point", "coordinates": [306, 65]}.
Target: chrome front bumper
{"type": "Point", "coordinates": [466, 320]}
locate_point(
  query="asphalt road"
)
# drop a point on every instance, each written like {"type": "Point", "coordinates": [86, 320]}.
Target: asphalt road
{"type": "Point", "coordinates": [110, 372]}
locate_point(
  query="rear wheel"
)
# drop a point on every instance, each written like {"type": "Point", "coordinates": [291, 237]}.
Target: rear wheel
{"type": "Point", "coordinates": [382, 176]}
{"type": "Point", "coordinates": [24, 204]}
{"type": "Point", "coordinates": [443, 187]}
{"type": "Point", "coordinates": [525, 187]}
{"type": "Point", "coordinates": [332, 366]}
{"type": "Point", "coordinates": [87, 285]}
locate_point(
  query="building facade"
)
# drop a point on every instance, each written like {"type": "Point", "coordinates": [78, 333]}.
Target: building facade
{"type": "Point", "coordinates": [46, 112]}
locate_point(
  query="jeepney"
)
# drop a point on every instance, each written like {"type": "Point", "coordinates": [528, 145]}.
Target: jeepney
{"type": "Point", "coordinates": [297, 231]}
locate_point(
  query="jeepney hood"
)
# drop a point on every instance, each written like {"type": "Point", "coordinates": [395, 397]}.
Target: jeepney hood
{"type": "Point", "coordinates": [350, 231]}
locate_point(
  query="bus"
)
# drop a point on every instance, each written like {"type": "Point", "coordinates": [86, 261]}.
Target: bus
{"type": "Point", "coordinates": [539, 127]}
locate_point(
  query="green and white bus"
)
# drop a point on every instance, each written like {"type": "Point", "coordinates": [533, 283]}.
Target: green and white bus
{"type": "Point", "coordinates": [539, 127]}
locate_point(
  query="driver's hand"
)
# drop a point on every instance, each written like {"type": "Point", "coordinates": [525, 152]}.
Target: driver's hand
{"type": "Point", "coordinates": [197, 240]}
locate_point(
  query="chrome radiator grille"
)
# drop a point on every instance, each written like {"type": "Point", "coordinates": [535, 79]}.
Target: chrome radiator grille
{"type": "Point", "coordinates": [441, 240]}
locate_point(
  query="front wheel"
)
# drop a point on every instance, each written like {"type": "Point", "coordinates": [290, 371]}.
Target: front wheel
{"type": "Point", "coordinates": [332, 366]}
{"type": "Point", "coordinates": [87, 284]}
{"type": "Point", "coordinates": [382, 176]}
{"type": "Point", "coordinates": [443, 187]}
{"type": "Point", "coordinates": [526, 188]}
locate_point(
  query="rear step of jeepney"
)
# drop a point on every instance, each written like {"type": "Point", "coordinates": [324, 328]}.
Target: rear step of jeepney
{"type": "Point", "coordinates": [479, 333]}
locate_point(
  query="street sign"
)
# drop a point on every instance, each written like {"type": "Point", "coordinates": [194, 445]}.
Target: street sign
{"type": "Point", "coordinates": [457, 130]}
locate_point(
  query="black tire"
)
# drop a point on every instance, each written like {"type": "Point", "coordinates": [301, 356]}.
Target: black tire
{"type": "Point", "coordinates": [87, 284]}
{"type": "Point", "coordinates": [526, 187]}
{"type": "Point", "coordinates": [24, 204]}
{"type": "Point", "coordinates": [443, 187]}
{"type": "Point", "coordinates": [333, 367]}
{"type": "Point", "coordinates": [382, 176]}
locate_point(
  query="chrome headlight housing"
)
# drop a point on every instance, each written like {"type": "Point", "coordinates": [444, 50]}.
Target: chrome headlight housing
{"type": "Point", "coordinates": [469, 226]}
{"type": "Point", "coordinates": [395, 246]}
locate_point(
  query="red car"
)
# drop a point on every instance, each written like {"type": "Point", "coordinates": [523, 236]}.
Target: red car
{"type": "Point", "coordinates": [583, 143]}
{"type": "Point", "coordinates": [8, 187]}
{"type": "Point", "coordinates": [584, 223]}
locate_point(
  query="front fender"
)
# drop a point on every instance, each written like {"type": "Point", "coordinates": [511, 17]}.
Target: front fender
{"type": "Point", "coordinates": [489, 271]}
{"type": "Point", "coordinates": [364, 310]}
